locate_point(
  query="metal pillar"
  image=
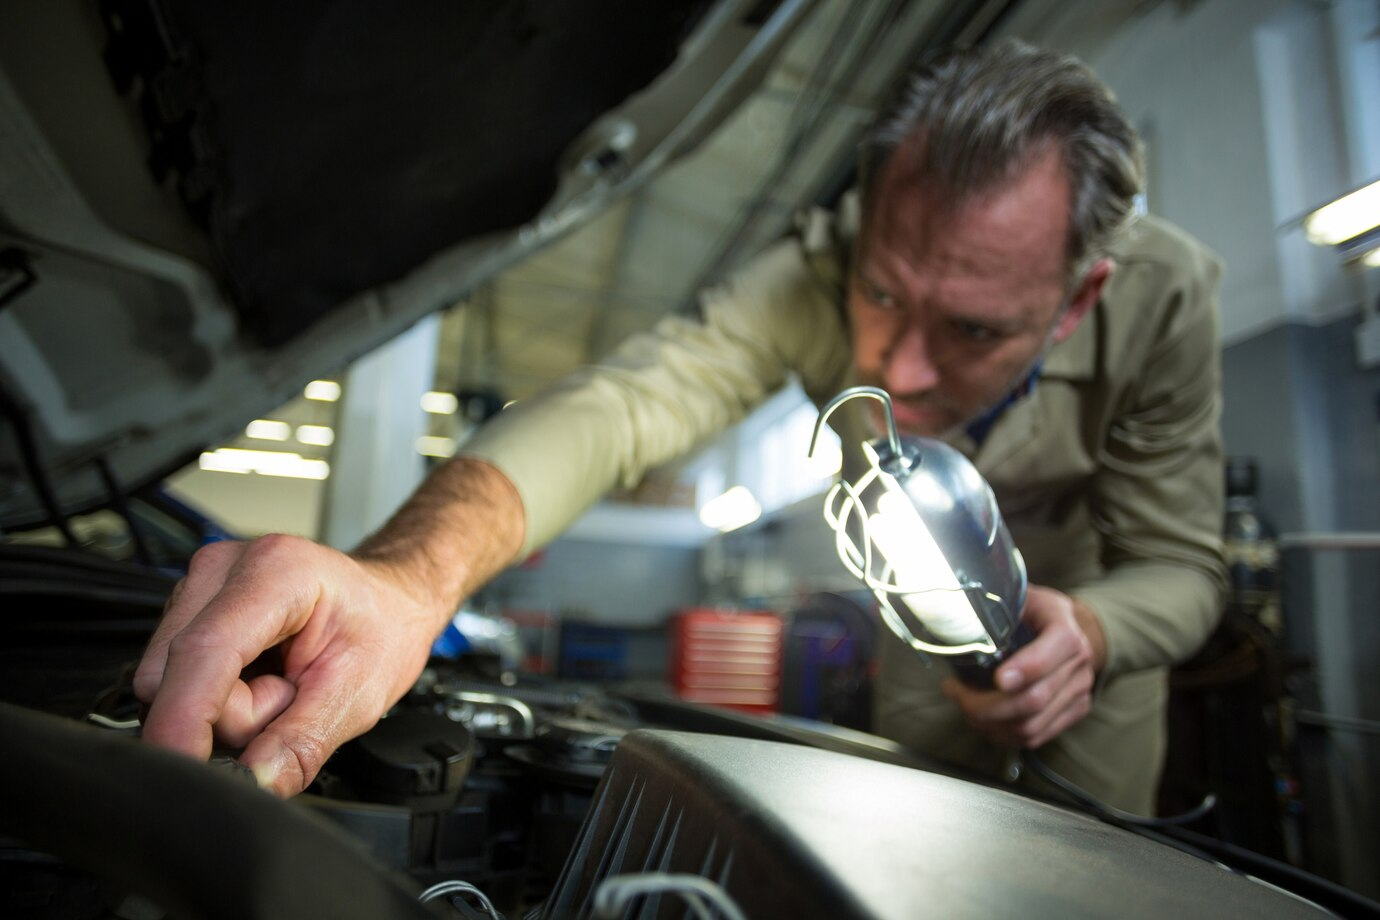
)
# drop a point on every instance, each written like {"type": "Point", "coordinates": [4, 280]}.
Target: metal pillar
{"type": "Point", "coordinates": [376, 464]}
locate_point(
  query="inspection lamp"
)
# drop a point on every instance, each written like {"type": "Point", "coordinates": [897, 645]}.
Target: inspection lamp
{"type": "Point", "coordinates": [922, 530]}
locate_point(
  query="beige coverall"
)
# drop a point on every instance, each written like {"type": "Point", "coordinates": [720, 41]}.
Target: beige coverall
{"type": "Point", "coordinates": [1109, 474]}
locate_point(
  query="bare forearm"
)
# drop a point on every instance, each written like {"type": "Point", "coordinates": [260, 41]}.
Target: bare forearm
{"type": "Point", "coordinates": [461, 527]}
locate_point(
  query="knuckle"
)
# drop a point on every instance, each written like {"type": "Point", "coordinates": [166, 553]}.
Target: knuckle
{"type": "Point", "coordinates": [193, 642]}
{"type": "Point", "coordinates": [1083, 705]}
{"type": "Point", "coordinates": [274, 545]}
{"type": "Point", "coordinates": [309, 752]}
{"type": "Point", "coordinates": [1083, 651]}
{"type": "Point", "coordinates": [202, 712]}
{"type": "Point", "coordinates": [213, 556]}
{"type": "Point", "coordinates": [145, 683]}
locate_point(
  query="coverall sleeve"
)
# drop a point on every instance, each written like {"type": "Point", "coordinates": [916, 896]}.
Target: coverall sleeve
{"type": "Point", "coordinates": [667, 391]}
{"type": "Point", "coordinates": [1158, 494]}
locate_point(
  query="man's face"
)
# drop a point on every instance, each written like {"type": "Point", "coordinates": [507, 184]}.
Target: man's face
{"type": "Point", "coordinates": [951, 307]}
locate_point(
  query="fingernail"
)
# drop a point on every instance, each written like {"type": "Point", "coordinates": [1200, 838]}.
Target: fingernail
{"type": "Point", "coordinates": [1009, 679]}
{"type": "Point", "coordinates": [264, 775]}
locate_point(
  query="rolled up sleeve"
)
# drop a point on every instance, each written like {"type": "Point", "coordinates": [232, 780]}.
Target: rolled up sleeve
{"type": "Point", "coordinates": [664, 392]}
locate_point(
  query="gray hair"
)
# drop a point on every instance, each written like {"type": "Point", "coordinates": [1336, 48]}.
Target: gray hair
{"type": "Point", "coordinates": [980, 114]}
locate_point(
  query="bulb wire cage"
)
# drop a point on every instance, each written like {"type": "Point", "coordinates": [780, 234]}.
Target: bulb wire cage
{"type": "Point", "coordinates": [845, 511]}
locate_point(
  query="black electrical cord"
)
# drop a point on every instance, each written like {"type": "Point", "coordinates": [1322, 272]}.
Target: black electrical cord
{"type": "Point", "coordinates": [121, 506]}
{"type": "Point", "coordinates": [28, 450]}
{"type": "Point", "coordinates": [1169, 832]}
{"type": "Point", "coordinates": [1327, 894]}
{"type": "Point", "coordinates": [1088, 800]}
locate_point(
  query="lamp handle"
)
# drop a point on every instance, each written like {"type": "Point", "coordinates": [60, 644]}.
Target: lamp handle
{"type": "Point", "coordinates": [979, 671]}
{"type": "Point", "coordinates": [893, 439]}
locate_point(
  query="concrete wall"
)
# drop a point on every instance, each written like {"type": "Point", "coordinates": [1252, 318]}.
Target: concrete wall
{"type": "Point", "coordinates": [1240, 107]}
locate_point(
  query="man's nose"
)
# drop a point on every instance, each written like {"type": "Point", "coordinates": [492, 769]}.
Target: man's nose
{"type": "Point", "coordinates": [910, 366]}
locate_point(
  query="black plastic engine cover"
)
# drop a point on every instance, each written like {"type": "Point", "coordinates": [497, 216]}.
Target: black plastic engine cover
{"type": "Point", "coordinates": [788, 831]}
{"type": "Point", "coordinates": [413, 757]}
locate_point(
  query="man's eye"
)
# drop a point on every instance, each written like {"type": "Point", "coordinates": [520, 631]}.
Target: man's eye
{"type": "Point", "coordinates": [975, 332]}
{"type": "Point", "coordinates": [878, 296]}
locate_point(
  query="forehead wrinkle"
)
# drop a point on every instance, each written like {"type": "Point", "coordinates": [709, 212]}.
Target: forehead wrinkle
{"type": "Point", "coordinates": [919, 252]}
{"type": "Point", "coordinates": [983, 235]}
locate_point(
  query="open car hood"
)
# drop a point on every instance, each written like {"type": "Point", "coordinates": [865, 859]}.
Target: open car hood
{"type": "Point", "coordinates": [201, 208]}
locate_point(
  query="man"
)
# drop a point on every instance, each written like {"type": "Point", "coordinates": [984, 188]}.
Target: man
{"type": "Point", "coordinates": [988, 291]}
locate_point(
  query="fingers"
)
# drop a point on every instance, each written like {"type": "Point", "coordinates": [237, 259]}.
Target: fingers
{"type": "Point", "coordinates": [257, 605]}
{"type": "Point", "coordinates": [251, 707]}
{"type": "Point", "coordinates": [1044, 688]}
{"type": "Point", "coordinates": [1071, 706]}
{"type": "Point", "coordinates": [334, 703]}
{"type": "Point", "coordinates": [1048, 707]}
{"type": "Point", "coordinates": [1032, 717]}
{"type": "Point", "coordinates": [1058, 638]}
{"type": "Point", "coordinates": [351, 642]}
{"type": "Point", "coordinates": [205, 576]}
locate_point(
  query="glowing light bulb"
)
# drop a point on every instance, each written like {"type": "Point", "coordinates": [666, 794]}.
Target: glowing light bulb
{"type": "Point", "coordinates": [927, 581]}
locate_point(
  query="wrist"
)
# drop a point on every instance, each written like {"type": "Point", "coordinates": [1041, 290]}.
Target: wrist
{"type": "Point", "coordinates": [427, 601]}
{"type": "Point", "coordinates": [1091, 625]}
{"type": "Point", "coordinates": [461, 527]}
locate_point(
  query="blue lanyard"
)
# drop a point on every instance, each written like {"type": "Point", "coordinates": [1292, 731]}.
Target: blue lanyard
{"type": "Point", "coordinates": [979, 428]}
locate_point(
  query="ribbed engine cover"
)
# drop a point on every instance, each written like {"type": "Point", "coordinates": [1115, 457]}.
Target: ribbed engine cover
{"type": "Point", "coordinates": [789, 831]}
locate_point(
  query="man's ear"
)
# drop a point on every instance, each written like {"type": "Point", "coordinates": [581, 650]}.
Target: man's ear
{"type": "Point", "coordinates": [1084, 298]}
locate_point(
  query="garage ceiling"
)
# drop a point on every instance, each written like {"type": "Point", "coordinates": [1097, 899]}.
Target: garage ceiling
{"type": "Point", "coordinates": [788, 146]}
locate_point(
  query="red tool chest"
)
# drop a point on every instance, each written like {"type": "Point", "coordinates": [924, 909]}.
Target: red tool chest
{"type": "Point", "coordinates": [727, 658]}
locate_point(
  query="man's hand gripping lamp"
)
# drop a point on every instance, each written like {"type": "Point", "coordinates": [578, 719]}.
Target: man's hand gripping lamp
{"type": "Point", "coordinates": [922, 530]}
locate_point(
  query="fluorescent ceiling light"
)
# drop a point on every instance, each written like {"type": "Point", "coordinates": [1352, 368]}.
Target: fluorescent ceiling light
{"type": "Point", "coordinates": [1372, 258]}
{"type": "Point", "coordinates": [440, 403]}
{"type": "Point", "coordinates": [733, 509]}
{"type": "Point", "coordinates": [1346, 218]}
{"type": "Point", "coordinates": [264, 462]}
{"type": "Point", "coordinates": [213, 464]}
{"type": "Point", "coordinates": [322, 390]}
{"type": "Point", "coordinates": [268, 430]}
{"type": "Point", "coordinates": [431, 446]}
{"type": "Point", "coordinates": [319, 435]}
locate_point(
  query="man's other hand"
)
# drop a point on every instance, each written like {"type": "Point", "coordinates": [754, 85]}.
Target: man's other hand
{"type": "Point", "coordinates": [1046, 687]}
{"type": "Point", "coordinates": [352, 638]}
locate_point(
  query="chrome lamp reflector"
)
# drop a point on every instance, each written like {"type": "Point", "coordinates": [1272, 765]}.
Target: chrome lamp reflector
{"type": "Point", "coordinates": [921, 529]}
